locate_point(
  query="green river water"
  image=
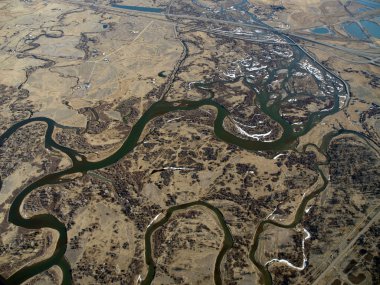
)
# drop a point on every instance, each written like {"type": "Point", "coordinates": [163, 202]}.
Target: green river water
{"type": "Point", "coordinates": [288, 140]}
{"type": "Point", "coordinates": [81, 165]}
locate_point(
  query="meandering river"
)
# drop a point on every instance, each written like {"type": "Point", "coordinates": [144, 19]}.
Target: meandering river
{"type": "Point", "coordinates": [287, 140]}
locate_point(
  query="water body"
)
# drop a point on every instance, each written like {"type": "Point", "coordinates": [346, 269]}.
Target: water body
{"type": "Point", "coordinates": [139, 8]}
{"type": "Point", "coordinates": [372, 28]}
{"type": "Point", "coordinates": [361, 10]}
{"type": "Point", "coordinates": [227, 242]}
{"type": "Point", "coordinates": [321, 30]}
{"type": "Point", "coordinates": [80, 165]}
{"type": "Point", "coordinates": [162, 74]}
{"type": "Point", "coordinates": [354, 30]}
{"type": "Point", "coordinates": [266, 275]}
{"type": "Point", "coordinates": [368, 3]}
{"type": "Point", "coordinates": [267, 278]}
{"type": "Point", "coordinates": [287, 141]}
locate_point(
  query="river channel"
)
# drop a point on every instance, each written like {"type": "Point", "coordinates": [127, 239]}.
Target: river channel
{"type": "Point", "coordinates": [288, 140]}
{"type": "Point", "coordinates": [80, 165]}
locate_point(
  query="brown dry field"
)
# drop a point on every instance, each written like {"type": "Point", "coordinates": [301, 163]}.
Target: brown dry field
{"type": "Point", "coordinates": [96, 71]}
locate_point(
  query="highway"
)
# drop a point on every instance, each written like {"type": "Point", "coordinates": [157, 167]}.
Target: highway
{"type": "Point", "coordinates": [344, 251]}
{"type": "Point", "coordinates": [372, 56]}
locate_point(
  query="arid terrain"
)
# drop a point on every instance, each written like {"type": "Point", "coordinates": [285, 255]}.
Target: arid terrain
{"type": "Point", "coordinates": [189, 142]}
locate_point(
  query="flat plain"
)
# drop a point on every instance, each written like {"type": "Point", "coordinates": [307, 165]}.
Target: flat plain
{"type": "Point", "coordinates": [189, 142]}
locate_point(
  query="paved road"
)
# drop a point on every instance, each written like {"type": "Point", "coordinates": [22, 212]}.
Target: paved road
{"type": "Point", "coordinates": [229, 23]}
{"type": "Point", "coordinates": [371, 56]}
{"type": "Point", "coordinates": [349, 246]}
